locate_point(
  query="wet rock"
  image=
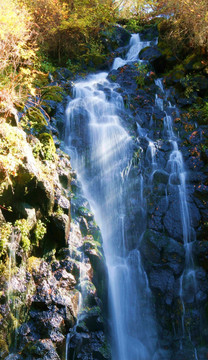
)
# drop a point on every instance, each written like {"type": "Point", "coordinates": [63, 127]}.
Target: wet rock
{"type": "Point", "coordinates": [200, 250]}
{"type": "Point", "coordinates": [172, 221]}
{"type": "Point", "coordinates": [43, 348]}
{"type": "Point", "coordinates": [161, 176]}
{"type": "Point", "coordinates": [59, 229]}
{"type": "Point", "coordinates": [163, 280]}
{"type": "Point", "coordinates": [149, 54]}
{"type": "Point", "coordinates": [162, 252]}
{"type": "Point", "coordinates": [62, 74]}
{"type": "Point", "coordinates": [154, 57]}
{"type": "Point", "coordinates": [115, 37]}
{"type": "Point", "coordinates": [26, 211]}
{"type": "Point", "coordinates": [149, 33]}
{"type": "Point", "coordinates": [14, 357]}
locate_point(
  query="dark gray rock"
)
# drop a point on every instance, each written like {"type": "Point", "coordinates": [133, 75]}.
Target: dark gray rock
{"type": "Point", "coordinates": [150, 54]}
{"type": "Point", "coordinates": [115, 37]}
{"type": "Point", "coordinates": [149, 34]}
{"type": "Point", "coordinates": [162, 252]}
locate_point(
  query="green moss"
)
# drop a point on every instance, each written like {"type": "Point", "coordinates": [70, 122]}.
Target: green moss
{"type": "Point", "coordinates": [142, 72]}
{"type": "Point", "coordinates": [113, 78]}
{"type": "Point", "coordinates": [24, 227]}
{"type": "Point", "coordinates": [48, 147]}
{"type": "Point", "coordinates": [12, 142]}
{"type": "Point", "coordinates": [55, 93]}
{"type": "Point", "coordinates": [5, 233]}
{"type": "Point", "coordinates": [4, 350]}
{"type": "Point", "coordinates": [33, 264]}
{"type": "Point", "coordinates": [91, 243]}
{"type": "Point", "coordinates": [133, 25]}
{"type": "Point", "coordinates": [105, 350]}
{"type": "Point", "coordinates": [40, 231]}
{"type": "Point", "coordinates": [34, 119]}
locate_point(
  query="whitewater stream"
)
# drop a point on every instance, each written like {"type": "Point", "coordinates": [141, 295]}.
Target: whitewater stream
{"type": "Point", "coordinates": [101, 152]}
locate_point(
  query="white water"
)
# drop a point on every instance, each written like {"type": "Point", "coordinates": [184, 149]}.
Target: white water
{"type": "Point", "coordinates": [178, 177]}
{"type": "Point", "coordinates": [135, 47]}
{"type": "Point", "coordinates": [101, 152]}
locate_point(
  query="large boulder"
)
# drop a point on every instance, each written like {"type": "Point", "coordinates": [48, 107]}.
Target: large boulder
{"type": "Point", "coordinates": [115, 37]}
{"type": "Point", "coordinates": [149, 33]}
{"type": "Point", "coordinates": [154, 56]}
{"type": "Point", "coordinates": [160, 251]}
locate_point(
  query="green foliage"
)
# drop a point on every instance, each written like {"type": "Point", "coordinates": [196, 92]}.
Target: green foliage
{"type": "Point", "coordinates": [48, 147]}
{"type": "Point", "coordinates": [24, 227]}
{"type": "Point", "coordinates": [5, 234]}
{"type": "Point", "coordinates": [33, 119]}
{"type": "Point", "coordinates": [140, 78]}
{"type": "Point", "coordinates": [69, 30]}
{"type": "Point", "coordinates": [40, 231]}
{"type": "Point", "coordinates": [190, 85]}
{"type": "Point", "coordinates": [187, 26]}
{"type": "Point", "coordinates": [136, 8]}
{"type": "Point", "coordinates": [11, 143]}
{"type": "Point", "coordinates": [54, 93]}
{"type": "Point", "coordinates": [205, 112]}
{"type": "Point", "coordinates": [133, 25]}
{"type": "Point", "coordinates": [113, 78]}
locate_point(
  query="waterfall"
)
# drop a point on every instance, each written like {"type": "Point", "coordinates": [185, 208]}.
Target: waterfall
{"type": "Point", "coordinates": [135, 47]}
{"type": "Point", "coordinates": [177, 177]}
{"type": "Point", "coordinates": [101, 152]}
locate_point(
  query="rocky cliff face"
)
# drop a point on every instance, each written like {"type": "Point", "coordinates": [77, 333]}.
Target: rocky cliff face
{"type": "Point", "coordinates": [180, 304]}
{"type": "Point", "coordinates": [53, 277]}
{"type": "Point", "coordinates": [52, 270]}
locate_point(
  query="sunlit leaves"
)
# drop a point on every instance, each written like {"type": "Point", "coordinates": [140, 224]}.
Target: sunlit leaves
{"type": "Point", "coordinates": [189, 19]}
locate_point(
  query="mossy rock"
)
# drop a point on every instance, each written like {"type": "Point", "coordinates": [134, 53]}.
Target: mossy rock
{"type": "Point", "coordinates": [4, 351]}
{"type": "Point", "coordinates": [35, 119]}
{"type": "Point", "coordinates": [55, 93]}
{"type": "Point", "coordinates": [105, 350]}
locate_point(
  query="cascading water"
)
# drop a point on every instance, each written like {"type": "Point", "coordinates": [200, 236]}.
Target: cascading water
{"type": "Point", "coordinates": [103, 155]}
{"type": "Point", "coordinates": [135, 47]}
{"type": "Point", "coordinates": [101, 151]}
{"type": "Point", "coordinates": [177, 178]}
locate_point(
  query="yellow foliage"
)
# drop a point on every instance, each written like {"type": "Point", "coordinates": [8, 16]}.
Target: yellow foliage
{"type": "Point", "coordinates": [15, 32]}
{"type": "Point", "coordinates": [17, 50]}
{"type": "Point", "coordinates": [134, 8]}
{"type": "Point", "coordinates": [189, 21]}
{"type": "Point", "coordinates": [33, 264]}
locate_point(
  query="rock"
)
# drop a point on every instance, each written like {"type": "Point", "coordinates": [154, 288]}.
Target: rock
{"type": "Point", "coordinates": [43, 348]}
{"type": "Point", "coordinates": [200, 251]}
{"type": "Point", "coordinates": [115, 37]}
{"type": "Point", "coordinates": [163, 280]}
{"type": "Point", "coordinates": [161, 176]}
{"type": "Point", "coordinates": [162, 252]}
{"type": "Point", "coordinates": [150, 54]}
{"type": "Point", "coordinates": [62, 74]}
{"type": "Point", "coordinates": [63, 203]}
{"type": "Point", "coordinates": [26, 211]}
{"type": "Point", "coordinates": [14, 357]}
{"type": "Point", "coordinates": [149, 34]}
{"type": "Point", "coordinates": [154, 57]}
{"type": "Point", "coordinates": [59, 228]}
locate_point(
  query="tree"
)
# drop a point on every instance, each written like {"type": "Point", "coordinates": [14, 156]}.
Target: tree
{"type": "Point", "coordinates": [135, 8]}
{"type": "Point", "coordinates": [188, 21]}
